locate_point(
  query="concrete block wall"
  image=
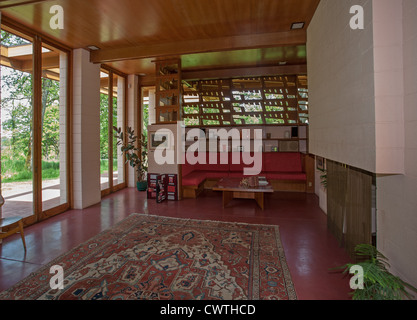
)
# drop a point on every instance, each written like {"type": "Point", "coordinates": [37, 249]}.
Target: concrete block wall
{"type": "Point", "coordinates": [363, 98]}
{"type": "Point", "coordinates": [397, 194]}
{"type": "Point", "coordinates": [341, 85]}
{"type": "Point", "coordinates": [86, 130]}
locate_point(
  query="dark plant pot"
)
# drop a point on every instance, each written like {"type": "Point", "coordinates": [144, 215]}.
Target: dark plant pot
{"type": "Point", "coordinates": [142, 185]}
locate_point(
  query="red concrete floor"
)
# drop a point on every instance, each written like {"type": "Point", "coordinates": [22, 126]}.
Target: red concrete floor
{"type": "Point", "coordinates": [310, 248]}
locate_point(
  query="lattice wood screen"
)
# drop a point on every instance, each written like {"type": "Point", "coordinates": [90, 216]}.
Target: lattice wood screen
{"type": "Point", "coordinates": [349, 205]}
{"type": "Point", "coordinates": [270, 100]}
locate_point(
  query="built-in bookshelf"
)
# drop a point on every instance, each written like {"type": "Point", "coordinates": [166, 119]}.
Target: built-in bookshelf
{"type": "Point", "coordinates": [269, 100]}
{"type": "Point", "coordinates": [274, 138]}
{"type": "Point", "coordinates": [167, 90]}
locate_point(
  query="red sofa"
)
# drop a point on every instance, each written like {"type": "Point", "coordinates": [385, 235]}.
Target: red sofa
{"type": "Point", "coordinates": [284, 171]}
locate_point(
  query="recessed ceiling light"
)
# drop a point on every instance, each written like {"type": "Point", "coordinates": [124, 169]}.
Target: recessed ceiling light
{"type": "Point", "coordinates": [142, 74]}
{"type": "Point", "coordinates": [282, 63]}
{"type": "Point", "coordinates": [94, 48]}
{"type": "Point", "coordinates": [297, 25]}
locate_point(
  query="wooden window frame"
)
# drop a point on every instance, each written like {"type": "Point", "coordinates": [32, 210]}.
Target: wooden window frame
{"type": "Point", "coordinates": [113, 188]}
{"type": "Point", "coordinates": [37, 41]}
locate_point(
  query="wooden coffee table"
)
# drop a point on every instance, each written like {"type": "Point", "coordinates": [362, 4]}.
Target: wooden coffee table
{"type": "Point", "coordinates": [232, 189]}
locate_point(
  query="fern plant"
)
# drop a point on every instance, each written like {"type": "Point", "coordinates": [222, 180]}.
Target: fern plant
{"type": "Point", "coordinates": [378, 282]}
{"type": "Point", "coordinates": [323, 177]}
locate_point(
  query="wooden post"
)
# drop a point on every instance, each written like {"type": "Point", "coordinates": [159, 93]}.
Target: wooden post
{"type": "Point", "coordinates": [37, 127]}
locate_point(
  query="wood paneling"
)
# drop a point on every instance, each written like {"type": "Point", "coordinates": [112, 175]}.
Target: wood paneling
{"type": "Point", "coordinates": [178, 48]}
{"type": "Point", "coordinates": [133, 29]}
{"type": "Point", "coordinates": [359, 210]}
{"type": "Point", "coordinates": [111, 24]}
{"type": "Point", "coordinates": [225, 64]}
{"type": "Point", "coordinates": [336, 198]}
{"type": "Point", "coordinates": [349, 205]}
{"type": "Point", "coordinates": [15, 3]}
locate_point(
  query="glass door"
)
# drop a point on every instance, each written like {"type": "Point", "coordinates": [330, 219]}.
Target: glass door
{"type": "Point", "coordinates": [112, 114]}
{"type": "Point", "coordinates": [104, 130]}
{"type": "Point", "coordinates": [54, 129]}
{"type": "Point", "coordinates": [118, 121]}
{"type": "Point", "coordinates": [34, 127]}
{"type": "Point", "coordinates": [17, 134]}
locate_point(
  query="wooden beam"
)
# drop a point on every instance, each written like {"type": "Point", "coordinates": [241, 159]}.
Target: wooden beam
{"type": "Point", "coordinates": [11, 63]}
{"type": "Point", "coordinates": [27, 64]}
{"type": "Point", "coordinates": [14, 3]}
{"type": "Point", "coordinates": [233, 72]}
{"type": "Point", "coordinates": [47, 63]}
{"type": "Point", "coordinates": [170, 49]}
{"type": "Point", "coordinates": [244, 72]}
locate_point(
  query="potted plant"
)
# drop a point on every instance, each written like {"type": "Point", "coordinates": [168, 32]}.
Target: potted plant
{"type": "Point", "coordinates": [378, 282]}
{"type": "Point", "coordinates": [131, 151]}
{"type": "Point", "coordinates": [323, 189]}
{"type": "Point", "coordinates": [323, 177]}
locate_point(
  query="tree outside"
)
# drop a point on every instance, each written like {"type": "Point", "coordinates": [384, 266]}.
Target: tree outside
{"type": "Point", "coordinates": [16, 115]}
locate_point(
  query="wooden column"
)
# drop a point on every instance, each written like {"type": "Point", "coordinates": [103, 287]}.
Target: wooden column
{"type": "Point", "coordinates": [37, 123]}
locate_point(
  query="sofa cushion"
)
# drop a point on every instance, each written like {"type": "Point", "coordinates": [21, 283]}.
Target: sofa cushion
{"type": "Point", "coordinates": [282, 162]}
{"type": "Point", "coordinates": [194, 178]}
{"type": "Point", "coordinates": [275, 166]}
{"type": "Point", "coordinates": [287, 176]}
{"type": "Point", "coordinates": [214, 162]}
{"type": "Point", "coordinates": [252, 166]}
{"type": "Point", "coordinates": [236, 174]}
{"type": "Point", "coordinates": [216, 174]}
{"type": "Point", "coordinates": [236, 167]}
{"type": "Point", "coordinates": [187, 169]}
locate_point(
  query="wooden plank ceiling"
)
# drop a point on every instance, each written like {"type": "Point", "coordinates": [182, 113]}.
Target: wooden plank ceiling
{"type": "Point", "coordinates": [207, 34]}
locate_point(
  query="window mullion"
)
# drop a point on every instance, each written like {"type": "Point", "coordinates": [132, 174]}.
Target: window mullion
{"type": "Point", "coordinates": [37, 127]}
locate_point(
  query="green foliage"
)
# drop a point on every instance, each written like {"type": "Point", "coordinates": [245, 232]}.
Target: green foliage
{"type": "Point", "coordinates": [323, 177]}
{"type": "Point", "coordinates": [379, 283]}
{"type": "Point", "coordinates": [145, 116]}
{"type": "Point", "coordinates": [131, 151]}
{"type": "Point", "coordinates": [17, 109]}
{"type": "Point", "coordinates": [9, 39]}
{"type": "Point", "coordinates": [50, 170]}
{"type": "Point", "coordinates": [18, 113]}
{"type": "Point", "coordinates": [50, 119]}
{"type": "Point", "coordinates": [14, 170]}
{"type": "Point", "coordinates": [104, 126]}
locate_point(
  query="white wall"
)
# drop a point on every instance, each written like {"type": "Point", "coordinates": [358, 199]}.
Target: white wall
{"type": "Point", "coordinates": [132, 118]}
{"type": "Point", "coordinates": [341, 88]}
{"type": "Point", "coordinates": [168, 168]}
{"type": "Point", "coordinates": [86, 130]}
{"type": "Point", "coordinates": [397, 194]}
{"type": "Point", "coordinates": [389, 85]}
{"type": "Point", "coordinates": [363, 98]}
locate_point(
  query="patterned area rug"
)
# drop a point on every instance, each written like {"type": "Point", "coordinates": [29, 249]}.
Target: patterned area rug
{"type": "Point", "coordinates": [159, 258]}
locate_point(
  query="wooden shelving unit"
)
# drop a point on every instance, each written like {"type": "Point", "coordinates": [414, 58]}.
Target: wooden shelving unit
{"type": "Point", "coordinates": [168, 91]}
{"type": "Point", "coordinates": [269, 100]}
{"type": "Point", "coordinates": [278, 142]}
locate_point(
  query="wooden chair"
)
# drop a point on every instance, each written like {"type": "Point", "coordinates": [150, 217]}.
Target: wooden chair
{"type": "Point", "coordinates": [13, 225]}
